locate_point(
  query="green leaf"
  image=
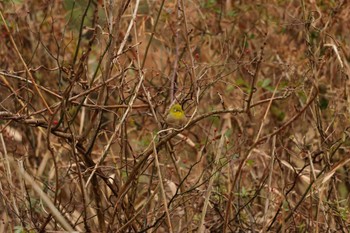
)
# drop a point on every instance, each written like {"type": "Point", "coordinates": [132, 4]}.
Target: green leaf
{"type": "Point", "coordinates": [266, 83]}
{"type": "Point", "coordinates": [250, 162]}
{"type": "Point", "coordinates": [241, 82]}
{"type": "Point", "coordinates": [232, 13]}
{"type": "Point", "coordinates": [277, 113]}
{"type": "Point", "coordinates": [230, 88]}
{"type": "Point", "coordinates": [323, 103]}
{"type": "Point", "coordinates": [302, 96]}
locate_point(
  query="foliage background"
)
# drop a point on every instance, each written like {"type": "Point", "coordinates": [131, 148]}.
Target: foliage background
{"type": "Point", "coordinates": [84, 143]}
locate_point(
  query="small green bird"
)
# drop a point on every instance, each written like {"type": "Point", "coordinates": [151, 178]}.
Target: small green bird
{"type": "Point", "coordinates": [176, 116]}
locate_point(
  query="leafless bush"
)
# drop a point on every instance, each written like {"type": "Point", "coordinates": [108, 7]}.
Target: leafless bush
{"type": "Point", "coordinates": [85, 87]}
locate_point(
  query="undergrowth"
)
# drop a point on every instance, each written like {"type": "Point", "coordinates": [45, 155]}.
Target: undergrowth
{"type": "Point", "coordinates": [85, 87]}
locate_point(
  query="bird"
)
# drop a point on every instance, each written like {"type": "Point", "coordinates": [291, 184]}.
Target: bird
{"type": "Point", "coordinates": [176, 116]}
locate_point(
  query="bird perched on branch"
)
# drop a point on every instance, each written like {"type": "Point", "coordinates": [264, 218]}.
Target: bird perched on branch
{"type": "Point", "coordinates": [176, 116]}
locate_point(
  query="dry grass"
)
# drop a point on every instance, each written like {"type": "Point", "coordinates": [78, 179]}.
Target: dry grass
{"type": "Point", "coordinates": [85, 87]}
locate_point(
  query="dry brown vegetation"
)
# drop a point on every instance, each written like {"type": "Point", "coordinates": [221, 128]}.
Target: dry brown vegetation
{"type": "Point", "coordinates": [85, 87]}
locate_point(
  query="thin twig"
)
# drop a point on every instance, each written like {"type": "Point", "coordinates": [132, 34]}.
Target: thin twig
{"type": "Point", "coordinates": [162, 190]}
{"type": "Point", "coordinates": [25, 65]}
